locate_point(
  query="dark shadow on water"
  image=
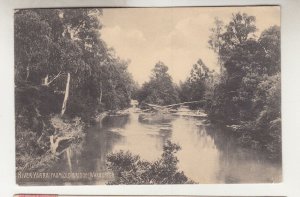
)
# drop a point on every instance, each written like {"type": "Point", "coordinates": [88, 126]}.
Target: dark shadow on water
{"type": "Point", "coordinates": [115, 121]}
{"type": "Point", "coordinates": [209, 154]}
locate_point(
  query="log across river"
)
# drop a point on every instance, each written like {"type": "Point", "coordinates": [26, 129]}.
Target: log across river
{"type": "Point", "coordinates": [207, 155]}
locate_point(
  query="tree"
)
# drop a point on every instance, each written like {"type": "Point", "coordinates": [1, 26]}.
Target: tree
{"type": "Point", "coordinates": [267, 104]}
{"type": "Point", "coordinates": [224, 39]}
{"type": "Point", "coordinates": [32, 49]}
{"type": "Point", "coordinates": [239, 30]}
{"type": "Point", "coordinates": [160, 89]}
{"type": "Point", "coordinates": [248, 94]}
{"type": "Point", "coordinates": [62, 66]}
{"type": "Point", "coordinates": [197, 85]}
{"type": "Point", "coordinates": [270, 41]}
{"type": "Point", "coordinates": [130, 169]}
{"type": "Point", "coordinates": [215, 40]}
{"type": "Point", "coordinates": [237, 52]}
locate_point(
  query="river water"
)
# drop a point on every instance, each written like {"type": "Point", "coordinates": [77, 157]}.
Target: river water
{"type": "Point", "coordinates": [207, 155]}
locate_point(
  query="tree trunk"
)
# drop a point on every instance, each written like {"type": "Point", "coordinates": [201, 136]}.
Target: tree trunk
{"type": "Point", "coordinates": [100, 98]}
{"type": "Point", "coordinates": [27, 72]}
{"type": "Point", "coordinates": [64, 106]}
{"type": "Point", "coordinates": [68, 152]}
{"type": "Point", "coordinates": [46, 79]}
{"type": "Point", "coordinates": [54, 143]}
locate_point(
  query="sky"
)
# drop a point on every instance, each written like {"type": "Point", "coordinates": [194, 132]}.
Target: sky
{"type": "Point", "coordinates": [176, 36]}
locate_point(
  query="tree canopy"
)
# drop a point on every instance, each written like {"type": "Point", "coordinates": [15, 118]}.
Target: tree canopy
{"type": "Point", "coordinates": [62, 66]}
{"type": "Point", "coordinates": [251, 74]}
{"type": "Point", "coordinates": [160, 89]}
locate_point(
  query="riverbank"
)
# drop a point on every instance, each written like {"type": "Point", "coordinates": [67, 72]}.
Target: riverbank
{"type": "Point", "coordinates": [200, 141]}
{"type": "Point", "coordinates": [52, 138]}
{"type": "Point", "coordinates": [39, 150]}
{"type": "Point", "coordinates": [203, 144]}
{"type": "Point", "coordinates": [248, 136]}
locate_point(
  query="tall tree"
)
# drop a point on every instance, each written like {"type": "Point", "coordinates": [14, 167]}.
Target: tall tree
{"type": "Point", "coordinates": [196, 87]}
{"type": "Point", "coordinates": [270, 41]}
{"type": "Point", "coordinates": [62, 66]}
{"type": "Point", "coordinates": [160, 89]}
{"type": "Point", "coordinates": [248, 94]}
{"type": "Point", "coordinates": [32, 49]}
{"type": "Point", "coordinates": [215, 40]}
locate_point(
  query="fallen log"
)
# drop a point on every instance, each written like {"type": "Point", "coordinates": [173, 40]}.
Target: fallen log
{"type": "Point", "coordinates": [55, 141]}
{"type": "Point", "coordinates": [163, 107]}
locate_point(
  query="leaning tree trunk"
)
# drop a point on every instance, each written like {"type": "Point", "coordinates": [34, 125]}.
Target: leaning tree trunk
{"type": "Point", "coordinates": [68, 151]}
{"type": "Point", "coordinates": [64, 106]}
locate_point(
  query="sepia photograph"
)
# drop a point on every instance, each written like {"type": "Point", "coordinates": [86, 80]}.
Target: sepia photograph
{"type": "Point", "coordinates": [170, 95]}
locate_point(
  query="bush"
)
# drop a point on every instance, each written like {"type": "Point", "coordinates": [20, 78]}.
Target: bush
{"type": "Point", "coordinates": [131, 169]}
{"type": "Point", "coordinates": [33, 149]}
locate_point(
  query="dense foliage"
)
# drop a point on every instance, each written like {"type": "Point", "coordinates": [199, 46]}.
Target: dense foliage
{"type": "Point", "coordinates": [62, 66]}
{"type": "Point", "coordinates": [160, 89]}
{"type": "Point", "coordinates": [198, 85]}
{"type": "Point", "coordinates": [130, 169]}
{"type": "Point", "coordinates": [247, 96]}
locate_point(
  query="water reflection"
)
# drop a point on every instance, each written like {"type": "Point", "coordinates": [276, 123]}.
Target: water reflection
{"type": "Point", "coordinates": [199, 157]}
{"type": "Point", "coordinates": [207, 155]}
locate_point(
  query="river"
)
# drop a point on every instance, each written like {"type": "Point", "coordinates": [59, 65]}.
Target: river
{"type": "Point", "coordinates": [207, 155]}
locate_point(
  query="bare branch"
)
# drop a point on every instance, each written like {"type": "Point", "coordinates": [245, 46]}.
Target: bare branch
{"type": "Point", "coordinates": [47, 84]}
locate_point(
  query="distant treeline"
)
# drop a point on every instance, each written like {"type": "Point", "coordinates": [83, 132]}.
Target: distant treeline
{"type": "Point", "coordinates": [62, 68]}
{"type": "Point", "coordinates": [244, 95]}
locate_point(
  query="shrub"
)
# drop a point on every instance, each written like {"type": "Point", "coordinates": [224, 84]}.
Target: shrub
{"type": "Point", "coordinates": [131, 169]}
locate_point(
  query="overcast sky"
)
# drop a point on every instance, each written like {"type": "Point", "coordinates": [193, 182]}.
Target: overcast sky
{"type": "Point", "coordinates": [176, 36]}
